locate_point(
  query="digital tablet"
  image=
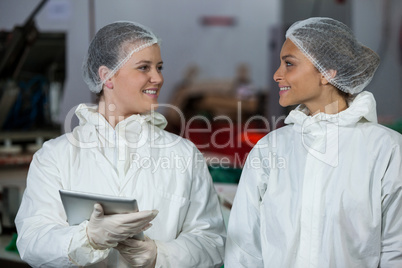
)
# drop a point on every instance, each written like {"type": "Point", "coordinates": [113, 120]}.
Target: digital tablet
{"type": "Point", "coordinates": [79, 206]}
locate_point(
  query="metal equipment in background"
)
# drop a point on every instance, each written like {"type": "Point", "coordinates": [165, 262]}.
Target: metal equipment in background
{"type": "Point", "coordinates": [17, 47]}
{"type": "Point", "coordinates": [32, 73]}
{"type": "Point", "coordinates": [32, 67]}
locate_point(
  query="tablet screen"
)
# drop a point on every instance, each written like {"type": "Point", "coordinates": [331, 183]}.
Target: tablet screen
{"type": "Point", "coordinates": [79, 205]}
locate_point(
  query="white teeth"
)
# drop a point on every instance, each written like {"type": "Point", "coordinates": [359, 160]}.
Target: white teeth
{"type": "Point", "coordinates": [148, 91]}
{"type": "Point", "coordinates": [284, 88]}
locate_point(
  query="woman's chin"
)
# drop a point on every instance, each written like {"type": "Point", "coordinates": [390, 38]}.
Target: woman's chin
{"type": "Point", "coordinates": [283, 103]}
{"type": "Point", "coordinates": [153, 107]}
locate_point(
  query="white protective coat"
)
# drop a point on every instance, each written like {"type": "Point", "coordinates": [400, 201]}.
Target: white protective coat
{"type": "Point", "coordinates": [324, 191]}
{"type": "Point", "coordinates": [161, 170]}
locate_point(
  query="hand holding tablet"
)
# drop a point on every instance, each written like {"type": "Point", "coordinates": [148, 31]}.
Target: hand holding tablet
{"type": "Point", "coordinates": [105, 231]}
{"type": "Point", "coordinates": [113, 220]}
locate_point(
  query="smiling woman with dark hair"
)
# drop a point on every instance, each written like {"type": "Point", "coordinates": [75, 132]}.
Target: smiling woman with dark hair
{"type": "Point", "coordinates": [337, 200]}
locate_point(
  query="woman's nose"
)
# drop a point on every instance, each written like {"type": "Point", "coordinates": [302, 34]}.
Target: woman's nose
{"type": "Point", "coordinates": [277, 75]}
{"type": "Point", "coordinates": [156, 77]}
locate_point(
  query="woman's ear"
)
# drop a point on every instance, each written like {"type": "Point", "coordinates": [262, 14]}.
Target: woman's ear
{"type": "Point", "coordinates": [103, 73]}
{"type": "Point", "coordinates": [324, 80]}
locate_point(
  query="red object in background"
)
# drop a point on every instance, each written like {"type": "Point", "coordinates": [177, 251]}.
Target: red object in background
{"type": "Point", "coordinates": [19, 159]}
{"type": "Point", "coordinates": [218, 21]}
{"type": "Point", "coordinates": [340, 1]}
{"type": "Point", "coordinates": [224, 139]}
{"type": "Point", "coordinates": [251, 137]}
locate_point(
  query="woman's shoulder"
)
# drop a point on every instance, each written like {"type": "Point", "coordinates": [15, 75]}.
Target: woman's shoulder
{"type": "Point", "coordinates": [375, 130]}
{"type": "Point", "coordinates": [58, 143]}
{"type": "Point", "coordinates": [274, 140]}
{"type": "Point", "coordinates": [53, 148]}
{"type": "Point", "coordinates": [282, 132]}
{"type": "Point", "coordinates": [171, 137]}
{"type": "Point", "coordinates": [174, 141]}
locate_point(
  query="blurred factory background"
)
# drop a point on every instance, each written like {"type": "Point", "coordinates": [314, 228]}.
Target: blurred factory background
{"type": "Point", "coordinates": [219, 59]}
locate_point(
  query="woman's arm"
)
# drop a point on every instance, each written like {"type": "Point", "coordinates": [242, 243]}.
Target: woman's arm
{"type": "Point", "coordinates": [202, 238]}
{"type": "Point", "coordinates": [243, 246]}
{"type": "Point", "coordinates": [44, 235]}
{"type": "Point", "coordinates": [391, 244]}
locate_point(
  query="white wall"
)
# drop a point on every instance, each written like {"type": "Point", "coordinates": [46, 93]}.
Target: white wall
{"type": "Point", "coordinates": [368, 22]}
{"type": "Point", "coordinates": [294, 10]}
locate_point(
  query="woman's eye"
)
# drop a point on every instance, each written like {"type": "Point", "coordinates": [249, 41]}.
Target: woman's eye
{"type": "Point", "coordinates": [143, 68]}
{"type": "Point", "coordinates": [160, 68]}
{"type": "Point", "coordinates": [288, 63]}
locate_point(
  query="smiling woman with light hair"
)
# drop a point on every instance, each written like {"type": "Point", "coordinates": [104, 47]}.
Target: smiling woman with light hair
{"type": "Point", "coordinates": [179, 209]}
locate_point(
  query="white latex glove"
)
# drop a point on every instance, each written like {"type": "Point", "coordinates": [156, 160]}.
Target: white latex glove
{"type": "Point", "coordinates": [138, 253]}
{"type": "Point", "coordinates": [105, 231]}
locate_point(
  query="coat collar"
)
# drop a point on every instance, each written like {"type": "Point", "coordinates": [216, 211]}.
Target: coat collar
{"type": "Point", "coordinates": [362, 107]}
{"type": "Point", "coordinates": [136, 128]}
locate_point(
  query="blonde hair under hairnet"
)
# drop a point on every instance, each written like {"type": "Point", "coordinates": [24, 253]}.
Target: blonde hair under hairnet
{"type": "Point", "coordinates": [331, 45]}
{"type": "Point", "coordinates": [112, 46]}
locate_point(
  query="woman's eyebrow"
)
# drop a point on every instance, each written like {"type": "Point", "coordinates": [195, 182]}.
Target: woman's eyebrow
{"type": "Point", "coordinates": [147, 62]}
{"type": "Point", "coordinates": [288, 56]}
{"type": "Point", "coordinates": [143, 61]}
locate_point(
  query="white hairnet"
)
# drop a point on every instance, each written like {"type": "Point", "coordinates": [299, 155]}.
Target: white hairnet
{"type": "Point", "coordinates": [331, 45]}
{"type": "Point", "coordinates": [112, 46]}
